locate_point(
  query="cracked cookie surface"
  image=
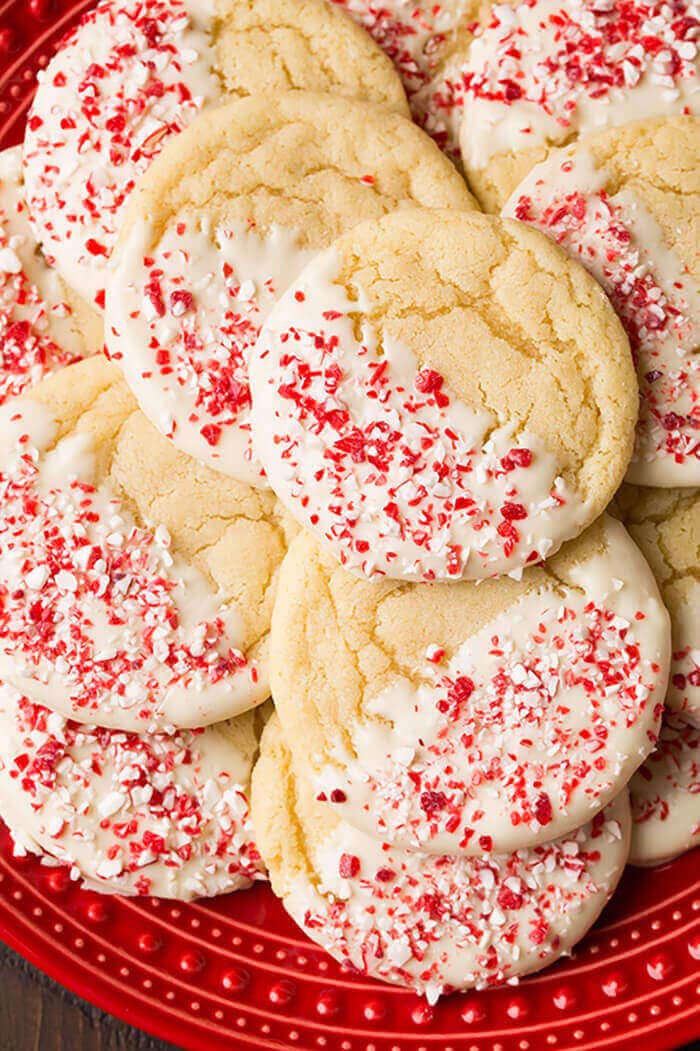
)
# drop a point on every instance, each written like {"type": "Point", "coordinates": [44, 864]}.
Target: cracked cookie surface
{"type": "Point", "coordinates": [137, 586]}
{"type": "Point", "coordinates": [223, 222]}
{"type": "Point", "coordinates": [469, 718]}
{"type": "Point", "coordinates": [443, 395]}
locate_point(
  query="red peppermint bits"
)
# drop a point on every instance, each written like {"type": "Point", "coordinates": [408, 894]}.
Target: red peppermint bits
{"type": "Point", "coordinates": [349, 866]}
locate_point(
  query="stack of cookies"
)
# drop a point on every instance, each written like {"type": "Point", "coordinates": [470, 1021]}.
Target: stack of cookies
{"type": "Point", "coordinates": [292, 408]}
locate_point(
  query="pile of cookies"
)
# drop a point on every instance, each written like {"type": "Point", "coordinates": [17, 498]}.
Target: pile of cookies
{"type": "Point", "coordinates": [401, 431]}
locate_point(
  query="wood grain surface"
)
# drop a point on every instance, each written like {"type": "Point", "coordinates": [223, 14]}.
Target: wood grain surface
{"type": "Point", "coordinates": [36, 1014]}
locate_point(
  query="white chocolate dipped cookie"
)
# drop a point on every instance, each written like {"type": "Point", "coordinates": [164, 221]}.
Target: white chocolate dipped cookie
{"type": "Point", "coordinates": [625, 204]}
{"type": "Point", "coordinates": [134, 73]}
{"type": "Point", "coordinates": [665, 796]}
{"type": "Point", "coordinates": [543, 73]}
{"type": "Point", "coordinates": [163, 815]}
{"type": "Point", "coordinates": [443, 396]}
{"type": "Point", "coordinates": [465, 718]}
{"type": "Point", "coordinates": [665, 523]}
{"type": "Point", "coordinates": [434, 924]}
{"type": "Point", "coordinates": [223, 222]}
{"type": "Point", "coordinates": [43, 326]}
{"type": "Point", "coordinates": [135, 586]}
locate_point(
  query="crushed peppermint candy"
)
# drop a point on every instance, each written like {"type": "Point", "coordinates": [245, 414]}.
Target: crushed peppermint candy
{"type": "Point", "coordinates": [653, 293]}
{"type": "Point", "coordinates": [665, 795]}
{"type": "Point", "coordinates": [98, 618]}
{"type": "Point", "coordinates": [685, 681]}
{"type": "Point", "coordinates": [31, 318]}
{"type": "Point", "coordinates": [182, 320]}
{"type": "Point", "coordinates": [534, 724]}
{"type": "Point", "coordinates": [544, 69]}
{"type": "Point", "coordinates": [412, 34]}
{"type": "Point", "coordinates": [439, 924]}
{"type": "Point", "coordinates": [137, 814]}
{"type": "Point", "coordinates": [128, 77]}
{"type": "Point", "coordinates": [378, 457]}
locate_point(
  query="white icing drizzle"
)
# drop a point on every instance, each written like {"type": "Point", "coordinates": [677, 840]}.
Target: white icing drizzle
{"type": "Point", "coordinates": [38, 332]}
{"type": "Point", "coordinates": [131, 74]}
{"type": "Point", "coordinates": [181, 319]}
{"type": "Point", "coordinates": [622, 245]}
{"type": "Point", "coordinates": [382, 462]}
{"type": "Point", "coordinates": [535, 723]}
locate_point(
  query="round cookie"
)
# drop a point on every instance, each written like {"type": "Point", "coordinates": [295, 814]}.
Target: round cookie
{"type": "Point", "coordinates": [443, 395]}
{"type": "Point", "coordinates": [131, 814]}
{"type": "Point", "coordinates": [665, 523]}
{"type": "Point", "coordinates": [223, 222]}
{"type": "Point", "coordinates": [434, 924]}
{"type": "Point", "coordinates": [625, 204]}
{"type": "Point", "coordinates": [135, 586]}
{"type": "Point", "coordinates": [43, 326]}
{"type": "Point", "coordinates": [134, 73]}
{"type": "Point", "coordinates": [466, 719]}
{"type": "Point", "coordinates": [545, 72]}
{"type": "Point", "coordinates": [665, 796]}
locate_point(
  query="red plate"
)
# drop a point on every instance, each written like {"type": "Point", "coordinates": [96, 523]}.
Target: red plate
{"type": "Point", "coordinates": [237, 973]}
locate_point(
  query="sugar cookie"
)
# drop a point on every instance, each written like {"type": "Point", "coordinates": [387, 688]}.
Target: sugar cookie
{"type": "Point", "coordinates": [135, 587]}
{"type": "Point", "coordinates": [43, 326]}
{"type": "Point", "coordinates": [625, 204]}
{"type": "Point", "coordinates": [472, 718]}
{"type": "Point", "coordinates": [135, 72]}
{"type": "Point", "coordinates": [441, 396]}
{"type": "Point", "coordinates": [434, 924]}
{"type": "Point", "coordinates": [131, 814]}
{"type": "Point", "coordinates": [665, 796]}
{"type": "Point", "coordinates": [665, 523]}
{"type": "Point", "coordinates": [224, 221]}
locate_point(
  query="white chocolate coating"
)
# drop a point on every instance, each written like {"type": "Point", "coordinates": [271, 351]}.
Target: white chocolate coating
{"type": "Point", "coordinates": [534, 724]}
{"type": "Point", "coordinates": [131, 814]}
{"type": "Point", "coordinates": [658, 301]}
{"type": "Point", "coordinates": [100, 622]}
{"type": "Point", "coordinates": [542, 71]}
{"type": "Point", "coordinates": [182, 321]}
{"type": "Point", "coordinates": [127, 78]}
{"type": "Point", "coordinates": [665, 796]}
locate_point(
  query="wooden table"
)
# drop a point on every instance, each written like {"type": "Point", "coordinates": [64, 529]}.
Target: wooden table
{"type": "Point", "coordinates": [38, 1015]}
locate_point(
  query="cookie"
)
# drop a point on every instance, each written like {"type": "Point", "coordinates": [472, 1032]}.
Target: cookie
{"type": "Point", "coordinates": [417, 37]}
{"type": "Point", "coordinates": [434, 924]}
{"type": "Point", "coordinates": [665, 796]}
{"type": "Point", "coordinates": [43, 326]}
{"type": "Point", "coordinates": [625, 204]}
{"type": "Point", "coordinates": [131, 814]}
{"type": "Point", "coordinates": [665, 523]}
{"type": "Point", "coordinates": [543, 73]}
{"type": "Point", "coordinates": [223, 222]}
{"type": "Point", "coordinates": [472, 718]}
{"type": "Point", "coordinates": [443, 395]}
{"type": "Point", "coordinates": [133, 74]}
{"type": "Point", "coordinates": [136, 587]}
